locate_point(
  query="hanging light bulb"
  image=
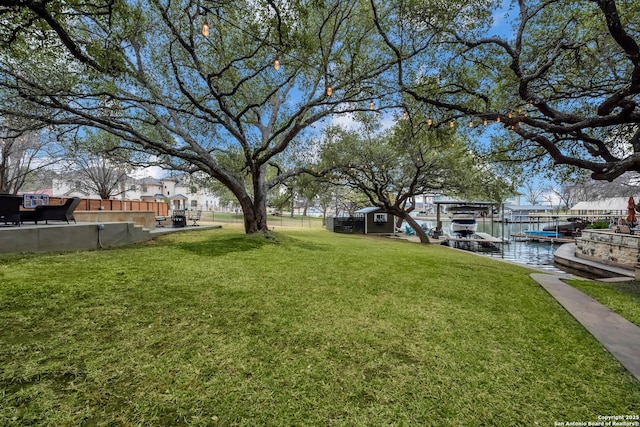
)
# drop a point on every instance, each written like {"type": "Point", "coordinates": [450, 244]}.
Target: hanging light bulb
{"type": "Point", "coordinates": [470, 123]}
{"type": "Point", "coordinates": [205, 29]}
{"type": "Point", "coordinates": [371, 106]}
{"type": "Point", "coordinates": [498, 119]}
{"type": "Point", "coordinates": [452, 124]}
{"type": "Point", "coordinates": [404, 115]}
{"type": "Point", "coordinates": [484, 122]}
{"type": "Point", "coordinates": [329, 90]}
{"type": "Point", "coordinates": [429, 121]}
{"type": "Point", "coordinates": [276, 64]}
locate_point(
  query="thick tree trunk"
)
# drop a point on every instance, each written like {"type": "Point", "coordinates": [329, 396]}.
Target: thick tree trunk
{"type": "Point", "coordinates": [254, 209]}
{"type": "Point", "coordinates": [255, 216]}
{"type": "Point", "coordinates": [424, 238]}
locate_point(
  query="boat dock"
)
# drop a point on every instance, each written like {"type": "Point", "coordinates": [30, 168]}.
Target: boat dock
{"type": "Point", "coordinates": [543, 238]}
{"type": "Point", "coordinates": [480, 238]}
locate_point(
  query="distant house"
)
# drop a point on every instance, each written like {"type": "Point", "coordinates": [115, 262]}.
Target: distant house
{"type": "Point", "coordinates": [315, 212]}
{"type": "Point", "coordinates": [178, 192]}
{"type": "Point", "coordinates": [148, 187]}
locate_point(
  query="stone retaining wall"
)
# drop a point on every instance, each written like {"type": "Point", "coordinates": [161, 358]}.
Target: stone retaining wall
{"type": "Point", "coordinates": [610, 248]}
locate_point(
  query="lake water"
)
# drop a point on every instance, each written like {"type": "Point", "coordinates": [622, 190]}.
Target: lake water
{"type": "Point", "coordinates": [534, 254]}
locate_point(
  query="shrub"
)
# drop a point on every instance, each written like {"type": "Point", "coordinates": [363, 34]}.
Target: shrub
{"type": "Point", "coordinates": [598, 225]}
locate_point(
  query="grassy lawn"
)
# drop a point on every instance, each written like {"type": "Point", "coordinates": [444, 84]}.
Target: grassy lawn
{"type": "Point", "coordinates": [621, 297]}
{"type": "Point", "coordinates": [213, 327]}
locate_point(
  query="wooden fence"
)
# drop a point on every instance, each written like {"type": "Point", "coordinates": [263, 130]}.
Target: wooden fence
{"type": "Point", "coordinates": [160, 208]}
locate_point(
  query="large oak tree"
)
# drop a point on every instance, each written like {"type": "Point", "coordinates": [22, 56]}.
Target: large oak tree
{"type": "Point", "coordinates": [213, 103]}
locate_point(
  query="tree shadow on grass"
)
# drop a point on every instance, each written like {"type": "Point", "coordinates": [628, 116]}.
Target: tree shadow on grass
{"type": "Point", "coordinates": [223, 245]}
{"type": "Point", "coordinates": [631, 289]}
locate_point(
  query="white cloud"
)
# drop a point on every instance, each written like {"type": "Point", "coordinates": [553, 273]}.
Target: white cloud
{"type": "Point", "coordinates": [347, 121]}
{"type": "Point", "coordinates": [152, 171]}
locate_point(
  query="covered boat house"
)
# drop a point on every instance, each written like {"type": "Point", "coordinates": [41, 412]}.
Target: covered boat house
{"type": "Point", "coordinates": [527, 214]}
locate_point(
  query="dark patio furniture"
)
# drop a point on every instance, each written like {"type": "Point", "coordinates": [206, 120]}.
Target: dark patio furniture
{"type": "Point", "coordinates": [57, 212]}
{"type": "Point", "coordinates": [195, 217]}
{"type": "Point", "coordinates": [179, 219]}
{"type": "Point", "coordinates": [160, 220]}
{"type": "Point", "coordinates": [28, 216]}
{"type": "Point", "coordinates": [10, 208]}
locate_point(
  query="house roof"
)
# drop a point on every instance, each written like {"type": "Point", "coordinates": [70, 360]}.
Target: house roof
{"type": "Point", "coordinates": [607, 205]}
{"type": "Point", "coordinates": [178, 197]}
{"type": "Point", "coordinates": [149, 180]}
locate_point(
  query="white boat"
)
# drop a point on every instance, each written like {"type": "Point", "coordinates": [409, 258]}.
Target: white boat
{"type": "Point", "coordinates": [463, 224]}
{"type": "Point", "coordinates": [463, 220]}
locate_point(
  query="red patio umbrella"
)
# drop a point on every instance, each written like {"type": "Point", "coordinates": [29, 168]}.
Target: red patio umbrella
{"type": "Point", "coordinates": [631, 207]}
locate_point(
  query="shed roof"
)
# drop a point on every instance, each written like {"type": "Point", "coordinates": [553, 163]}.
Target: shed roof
{"type": "Point", "coordinates": [367, 210]}
{"type": "Point", "coordinates": [462, 202]}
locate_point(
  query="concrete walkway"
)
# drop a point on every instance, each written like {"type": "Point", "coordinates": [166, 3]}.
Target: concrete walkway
{"type": "Point", "coordinates": [619, 336]}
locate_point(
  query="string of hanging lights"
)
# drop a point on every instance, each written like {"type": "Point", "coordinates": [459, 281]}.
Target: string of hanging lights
{"type": "Point", "coordinates": [513, 120]}
{"type": "Point", "coordinates": [329, 89]}
{"type": "Point", "coordinates": [276, 62]}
